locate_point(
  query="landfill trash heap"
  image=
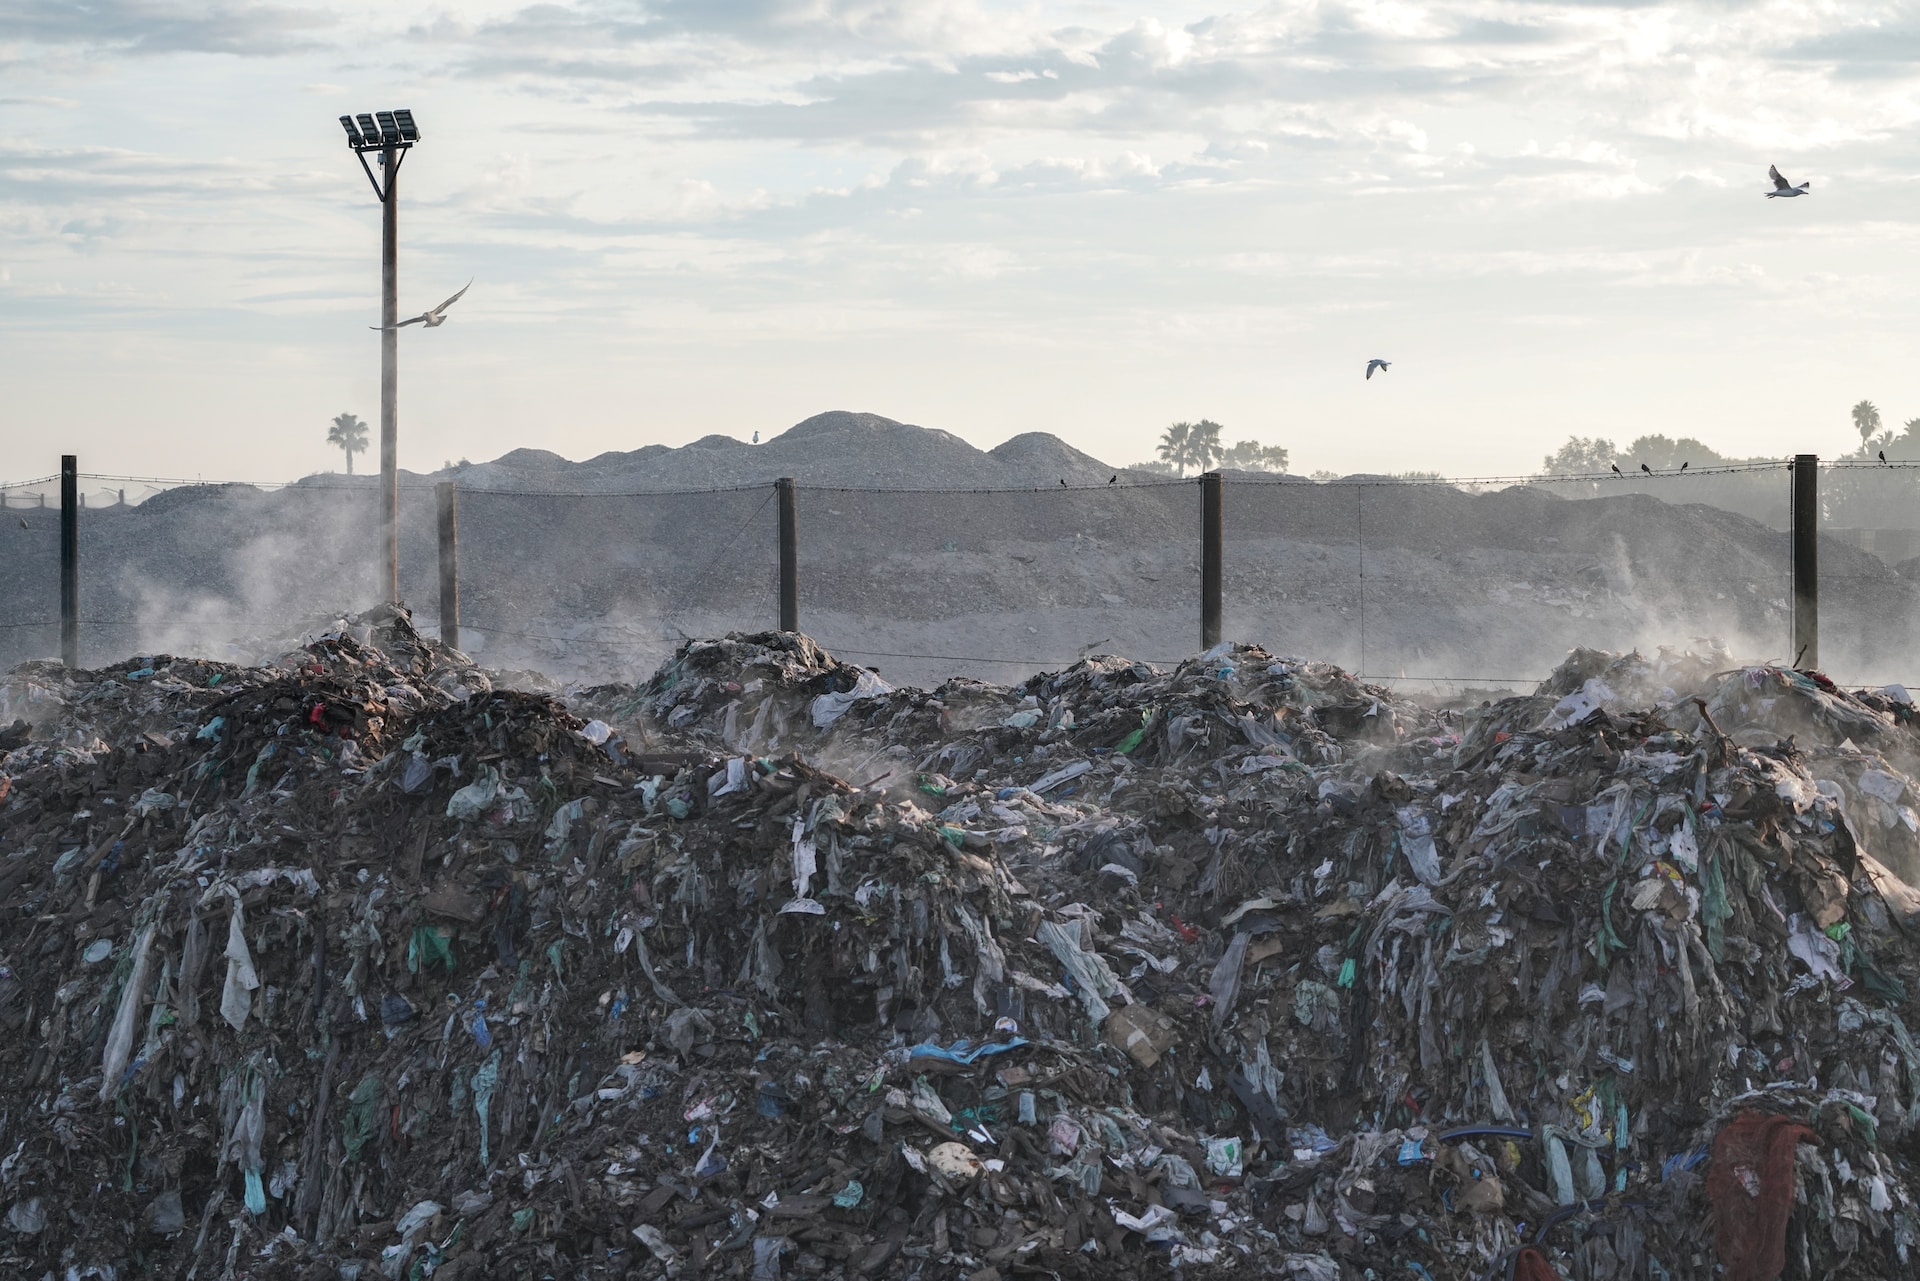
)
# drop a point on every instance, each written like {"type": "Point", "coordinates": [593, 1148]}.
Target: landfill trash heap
{"type": "Point", "coordinates": [359, 965]}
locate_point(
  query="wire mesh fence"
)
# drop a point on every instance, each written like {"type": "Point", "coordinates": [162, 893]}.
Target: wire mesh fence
{"type": "Point", "coordinates": [611, 583]}
{"type": "Point", "coordinates": [1435, 582]}
{"type": "Point", "coordinates": [1462, 584]}
{"type": "Point", "coordinates": [219, 569]}
{"type": "Point", "coordinates": [1870, 514]}
{"type": "Point", "coordinates": [924, 584]}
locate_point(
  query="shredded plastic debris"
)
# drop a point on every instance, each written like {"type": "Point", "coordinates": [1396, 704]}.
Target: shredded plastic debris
{"type": "Point", "coordinates": [1243, 967]}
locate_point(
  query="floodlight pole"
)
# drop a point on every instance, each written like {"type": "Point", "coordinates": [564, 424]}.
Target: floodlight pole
{"type": "Point", "coordinates": [390, 135]}
{"type": "Point", "coordinates": [390, 371]}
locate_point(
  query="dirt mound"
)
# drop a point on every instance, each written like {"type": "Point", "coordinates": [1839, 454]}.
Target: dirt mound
{"type": "Point", "coordinates": [833, 448]}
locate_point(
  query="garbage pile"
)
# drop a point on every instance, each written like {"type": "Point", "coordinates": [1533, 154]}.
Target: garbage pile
{"type": "Point", "coordinates": [359, 965]}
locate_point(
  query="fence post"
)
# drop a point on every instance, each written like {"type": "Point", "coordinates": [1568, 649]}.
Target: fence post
{"type": "Point", "coordinates": [1212, 528]}
{"type": "Point", "coordinates": [449, 565]}
{"type": "Point", "coordinates": [70, 560]}
{"type": "Point", "coordinates": [1806, 561]}
{"type": "Point", "coordinates": [789, 557]}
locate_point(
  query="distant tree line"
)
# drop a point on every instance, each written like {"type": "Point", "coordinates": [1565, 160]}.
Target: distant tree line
{"type": "Point", "coordinates": [1902, 446]}
{"type": "Point", "coordinates": [1196, 447]}
{"type": "Point", "coordinates": [1584, 455]}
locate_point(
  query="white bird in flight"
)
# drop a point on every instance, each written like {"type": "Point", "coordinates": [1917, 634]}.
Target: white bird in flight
{"type": "Point", "coordinates": [431, 319]}
{"type": "Point", "coordinates": [1781, 187]}
{"type": "Point", "coordinates": [1376, 363]}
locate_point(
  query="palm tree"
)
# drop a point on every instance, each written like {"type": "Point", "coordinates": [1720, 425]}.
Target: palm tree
{"type": "Point", "coordinates": [1206, 450]}
{"type": "Point", "coordinates": [1866, 421]}
{"type": "Point", "coordinates": [1174, 443]}
{"type": "Point", "coordinates": [1191, 445]}
{"type": "Point", "coordinates": [349, 434]}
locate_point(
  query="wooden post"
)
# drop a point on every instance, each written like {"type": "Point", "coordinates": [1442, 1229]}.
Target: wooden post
{"type": "Point", "coordinates": [70, 560]}
{"type": "Point", "coordinates": [789, 557]}
{"type": "Point", "coordinates": [449, 566]}
{"type": "Point", "coordinates": [1806, 561]}
{"type": "Point", "coordinates": [1212, 533]}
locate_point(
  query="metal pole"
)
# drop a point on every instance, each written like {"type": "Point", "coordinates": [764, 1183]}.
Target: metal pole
{"type": "Point", "coordinates": [70, 560]}
{"type": "Point", "coordinates": [390, 373]}
{"type": "Point", "coordinates": [1212, 532]}
{"type": "Point", "coordinates": [789, 557]}
{"type": "Point", "coordinates": [449, 566]}
{"type": "Point", "coordinates": [1806, 561]}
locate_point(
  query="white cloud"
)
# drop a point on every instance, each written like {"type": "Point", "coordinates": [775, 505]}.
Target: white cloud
{"type": "Point", "coordinates": [154, 27]}
{"type": "Point", "coordinates": [1010, 215]}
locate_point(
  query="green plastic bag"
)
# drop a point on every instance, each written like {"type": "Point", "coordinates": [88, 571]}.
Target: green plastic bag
{"type": "Point", "coordinates": [430, 943]}
{"type": "Point", "coordinates": [363, 1107]}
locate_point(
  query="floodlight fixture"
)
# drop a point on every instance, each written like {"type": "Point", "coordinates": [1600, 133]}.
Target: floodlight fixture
{"type": "Point", "coordinates": [388, 135]}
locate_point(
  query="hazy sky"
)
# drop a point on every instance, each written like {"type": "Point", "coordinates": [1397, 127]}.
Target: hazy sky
{"type": "Point", "coordinates": [695, 216]}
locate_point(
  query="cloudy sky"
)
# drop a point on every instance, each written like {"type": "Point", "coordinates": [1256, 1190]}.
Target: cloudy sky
{"type": "Point", "coordinates": [1089, 218]}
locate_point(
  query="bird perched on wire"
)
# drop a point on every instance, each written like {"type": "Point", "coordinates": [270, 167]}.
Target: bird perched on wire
{"type": "Point", "coordinates": [1883, 458]}
{"type": "Point", "coordinates": [1683, 466]}
{"type": "Point", "coordinates": [1115, 479]}
{"type": "Point", "coordinates": [1781, 187]}
{"type": "Point", "coordinates": [431, 319]}
{"type": "Point", "coordinates": [1616, 469]}
{"type": "Point", "coordinates": [1063, 482]}
{"type": "Point", "coordinates": [1646, 469]}
{"type": "Point", "coordinates": [1376, 363]}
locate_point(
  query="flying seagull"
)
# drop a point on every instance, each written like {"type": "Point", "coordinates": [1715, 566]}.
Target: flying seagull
{"type": "Point", "coordinates": [1646, 469]}
{"type": "Point", "coordinates": [1376, 363]}
{"type": "Point", "coordinates": [431, 319]}
{"type": "Point", "coordinates": [1781, 187]}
